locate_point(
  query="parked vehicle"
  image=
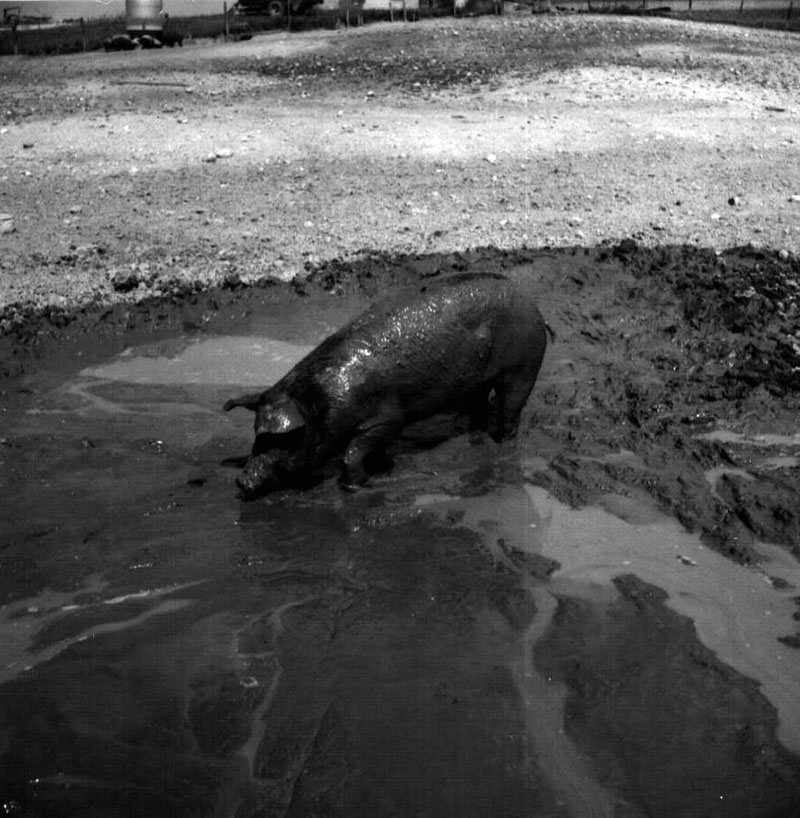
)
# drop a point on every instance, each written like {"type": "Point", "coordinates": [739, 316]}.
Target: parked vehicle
{"type": "Point", "coordinates": [275, 8]}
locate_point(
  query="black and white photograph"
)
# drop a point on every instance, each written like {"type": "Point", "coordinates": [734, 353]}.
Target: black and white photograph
{"type": "Point", "coordinates": [399, 409]}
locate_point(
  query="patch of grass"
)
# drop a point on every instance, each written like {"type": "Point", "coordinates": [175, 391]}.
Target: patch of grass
{"type": "Point", "coordinates": [89, 36]}
{"type": "Point", "coordinates": [66, 39]}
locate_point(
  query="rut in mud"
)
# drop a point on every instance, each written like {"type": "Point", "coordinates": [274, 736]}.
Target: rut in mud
{"type": "Point", "coordinates": [627, 569]}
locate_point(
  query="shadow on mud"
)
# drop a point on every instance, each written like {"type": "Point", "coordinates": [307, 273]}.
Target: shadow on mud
{"type": "Point", "coordinates": [600, 618]}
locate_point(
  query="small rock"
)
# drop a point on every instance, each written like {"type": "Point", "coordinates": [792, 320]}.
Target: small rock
{"type": "Point", "coordinates": [783, 255]}
{"type": "Point", "coordinates": [795, 197]}
{"type": "Point", "coordinates": [715, 217]}
{"type": "Point", "coordinates": [7, 223]}
{"type": "Point", "coordinates": [223, 153]}
{"type": "Point", "coordinates": [211, 157]}
{"type": "Point", "coordinates": [76, 209]}
{"type": "Point", "coordinates": [734, 201]}
{"type": "Point", "coordinates": [491, 159]}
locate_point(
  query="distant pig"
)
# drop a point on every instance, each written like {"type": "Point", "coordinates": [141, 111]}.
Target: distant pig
{"type": "Point", "coordinates": [119, 42]}
{"type": "Point", "coordinates": [468, 343]}
{"type": "Point", "coordinates": [149, 41]}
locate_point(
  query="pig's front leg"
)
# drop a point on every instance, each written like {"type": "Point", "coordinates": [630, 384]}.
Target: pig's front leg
{"type": "Point", "coordinates": [369, 445]}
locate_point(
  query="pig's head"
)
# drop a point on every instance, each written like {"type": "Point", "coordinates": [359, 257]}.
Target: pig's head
{"type": "Point", "coordinates": [277, 461]}
{"type": "Point", "coordinates": [266, 472]}
{"type": "Point", "coordinates": [280, 455]}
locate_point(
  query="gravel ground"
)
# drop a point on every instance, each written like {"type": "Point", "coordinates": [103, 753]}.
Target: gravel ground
{"type": "Point", "coordinates": [126, 173]}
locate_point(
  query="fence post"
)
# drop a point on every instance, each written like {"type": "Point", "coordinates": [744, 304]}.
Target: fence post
{"type": "Point", "coordinates": [690, 9]}
{"type": "Point", "coordinates": [789, 13]}
{"type": "Point", "coordinates": [83, 34]}
{"type": "Point", "coordinates": [225, 15]}
{"type": "Point", "coordinates": [741, 7]}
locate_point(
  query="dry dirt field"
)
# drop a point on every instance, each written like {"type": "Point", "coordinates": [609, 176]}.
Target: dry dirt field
{"type": "Point", "coordinates": [417, 138]}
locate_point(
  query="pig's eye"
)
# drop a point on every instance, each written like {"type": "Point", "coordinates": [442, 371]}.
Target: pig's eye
{"type": "Point", "coordinates": [287, 441]}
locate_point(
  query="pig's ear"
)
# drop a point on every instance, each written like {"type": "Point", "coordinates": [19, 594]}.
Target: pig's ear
{"type": "Point", "coordinates": [279, 416]}
{"type": "Point", "coordinates": [247, 401]}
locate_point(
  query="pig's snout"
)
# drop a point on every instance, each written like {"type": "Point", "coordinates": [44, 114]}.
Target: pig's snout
{"type": "Point", "coordinates": [259, 475]}
{"type": "Point", "coordinates": [247, 488]}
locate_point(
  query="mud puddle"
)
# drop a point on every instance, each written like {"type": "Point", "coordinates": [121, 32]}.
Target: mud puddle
{"type": "Point", "coordinates": [597, 619]}
{"type": "Point", "coordinates": [738, 612]}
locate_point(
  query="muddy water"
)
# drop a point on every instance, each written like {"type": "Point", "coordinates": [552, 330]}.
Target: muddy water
{"type": "Point", "coordinates": [452, 640]}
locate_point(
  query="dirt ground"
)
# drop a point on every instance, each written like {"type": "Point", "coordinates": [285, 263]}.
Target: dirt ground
{"type": "Point", "coordinates": [599, 619]}
{"type": "Point", "coordinates": [415, 138]}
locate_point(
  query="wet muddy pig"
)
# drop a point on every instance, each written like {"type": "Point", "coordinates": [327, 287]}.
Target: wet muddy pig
{"type": "Point", "coordinates": [470, 343]}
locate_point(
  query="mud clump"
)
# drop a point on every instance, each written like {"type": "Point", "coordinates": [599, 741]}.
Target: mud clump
{"type": "Point", "coordinates": [768, 506]}
{"type": "Point", "coordinates": [743, 308]}
{"type": "Point", "coordinates": [658, 348]}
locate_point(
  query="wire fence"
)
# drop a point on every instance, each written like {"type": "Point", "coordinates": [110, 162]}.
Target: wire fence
{"type": "Point", "coordinates": [778, 14]}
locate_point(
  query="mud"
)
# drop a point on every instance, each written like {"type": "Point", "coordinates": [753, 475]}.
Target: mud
{"type": "Point", "coordinates": [600, 618]}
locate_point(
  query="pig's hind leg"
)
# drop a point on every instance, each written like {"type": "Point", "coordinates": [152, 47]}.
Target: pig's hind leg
{"type": "Point", "coordinates": [511, 390]}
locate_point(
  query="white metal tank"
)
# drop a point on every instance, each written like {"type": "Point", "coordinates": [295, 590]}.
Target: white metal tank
{"type": "Point", "coordinates": [144, 15]}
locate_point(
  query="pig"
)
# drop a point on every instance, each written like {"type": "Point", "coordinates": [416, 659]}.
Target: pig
{"type": "Point", "coordinates": [119, 42]}
{"type": "Point", "coordinates": [149, 41]}
{"type": "Point", "coordinates": [470, 344]}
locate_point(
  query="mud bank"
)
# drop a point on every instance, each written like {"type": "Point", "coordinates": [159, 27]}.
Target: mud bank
{"type": "Point", "coordinates": [600, 618]}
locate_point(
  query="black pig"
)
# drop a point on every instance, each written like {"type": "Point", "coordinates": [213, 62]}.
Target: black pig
{"type": "Point", "coordinates": [447, 346]}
